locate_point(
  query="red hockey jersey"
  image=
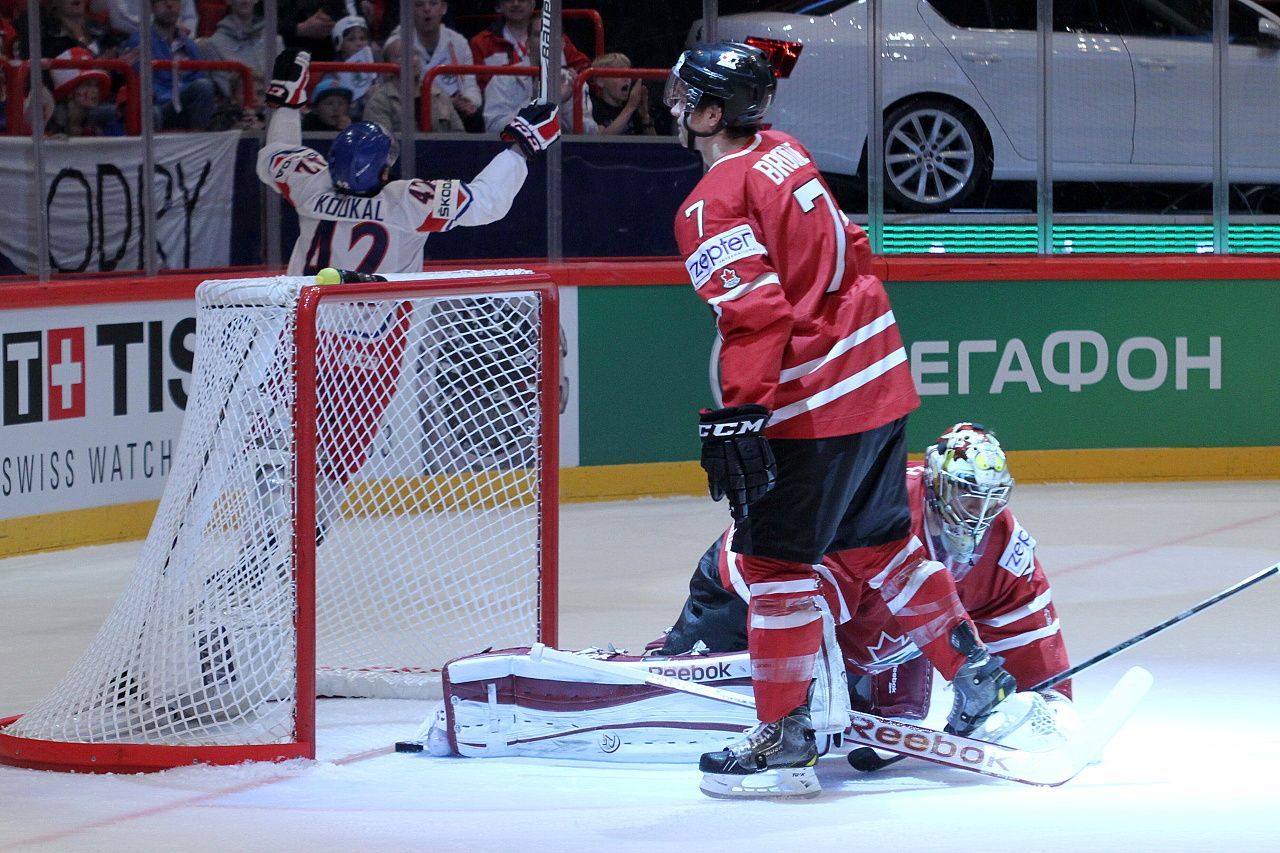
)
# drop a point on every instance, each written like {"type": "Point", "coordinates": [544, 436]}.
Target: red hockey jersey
{"type": "Point", "coordinates": [1004, 589]}
{"type": "Point", "coordinates": [806, 329]}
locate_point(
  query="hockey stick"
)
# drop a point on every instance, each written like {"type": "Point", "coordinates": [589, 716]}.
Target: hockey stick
{"type": "Point", "coordinates": [1049, 767]}
{"type": "Point", "coordinates": [866, 759]}
{"type": "Point", "coordinates": [544, 54]}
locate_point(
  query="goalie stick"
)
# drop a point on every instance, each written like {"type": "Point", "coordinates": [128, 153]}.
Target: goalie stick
{"type": "Point", "coordinates": [1049, 767]}
{"type": "Point", "coordinates": [867, 760]}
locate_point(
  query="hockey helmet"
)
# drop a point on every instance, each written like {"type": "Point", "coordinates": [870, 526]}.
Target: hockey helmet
{"type": "Point", "coordinates": [968, 480]}
{"type": "Point", "coordinates": [737, 74]}
{"type": "Point", "coordinates": [358, 156]}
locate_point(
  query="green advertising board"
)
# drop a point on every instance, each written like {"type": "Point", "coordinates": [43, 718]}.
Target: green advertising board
{"type": "Point", "coordinates": [1053, 365]}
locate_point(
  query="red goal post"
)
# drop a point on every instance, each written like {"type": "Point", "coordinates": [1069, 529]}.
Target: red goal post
{"type": "Point", "coordinates": [366, 486]}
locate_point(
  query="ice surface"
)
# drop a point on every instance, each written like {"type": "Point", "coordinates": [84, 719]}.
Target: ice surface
{"type": "Point", "coordinates": [1196, 769]}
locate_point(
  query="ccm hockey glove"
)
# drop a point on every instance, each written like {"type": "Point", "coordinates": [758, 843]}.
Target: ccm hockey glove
{"type": "Point", "coordinates": [534, 129]}
{"type": "Point", "coordinates": [736, 455]}
{"type": "Point", "coordinates": [289, 77]}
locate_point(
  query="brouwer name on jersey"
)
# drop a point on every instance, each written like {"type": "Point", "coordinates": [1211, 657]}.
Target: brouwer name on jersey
{"type": "Point", "coordinates": [733, 245]}
{"type": "Point", "coordinates": [347, 207]}
{"type": "Point", "coordinates": [778, 165]}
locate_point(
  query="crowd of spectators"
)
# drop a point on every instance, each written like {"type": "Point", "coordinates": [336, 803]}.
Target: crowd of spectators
{"type": "Point", "coordinates": [86, 101]}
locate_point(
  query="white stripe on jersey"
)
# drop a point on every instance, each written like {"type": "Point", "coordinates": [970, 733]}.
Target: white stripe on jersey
{"type": "Point", "coordinates": [845, 386]}
{"type": "Point", "coordinates": [1024, 639]}
{"type": "Point", "coordinates": [860, 336]}
{"type": "Point", "coordinates": [1040, 602]}
{"type": "Point", "coordinates": [773, 587]}
{"type": "Point", "coordinates": [755, 143]}
{"type": "Point", "coordinates": [744, 289]}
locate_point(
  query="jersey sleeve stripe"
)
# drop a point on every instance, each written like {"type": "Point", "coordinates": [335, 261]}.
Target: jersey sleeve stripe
{"type": "Point", "coordinates": [1040, 602]}
{"type": "Point", "coordinates": [771, 622]}
{"type": "Point", "coordinates": [926, 570]}
{"type": "Point", "coordinates": [1024, 639]}
{"type": "Point", "coordinates": [898, 559]}
{"type": "Point", "coordinates": [862, 335]}
{"type": "Point", "coordinates": [845, 386]}
{"type": "Point", "coordinates": [797, 585]}
{"type": "Point", "coordinates": [743, 289]}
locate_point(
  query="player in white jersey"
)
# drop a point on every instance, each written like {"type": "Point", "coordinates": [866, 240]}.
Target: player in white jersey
{"type": "Point", "coordinates": [350, 214]}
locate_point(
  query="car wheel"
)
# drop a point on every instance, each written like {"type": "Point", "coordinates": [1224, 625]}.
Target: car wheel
{"type": "Point", "coordinates": [935, 155]}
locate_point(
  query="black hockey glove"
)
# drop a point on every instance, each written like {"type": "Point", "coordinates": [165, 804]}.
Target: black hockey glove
{"type": "Point", "coordinates": [289, 78]}
{"type": "Point", "coordinates": [980, 684]}
{"type": "Point", "coordinates": [736, 455]}
{"type": "Point", "coordinates": [534, 129]}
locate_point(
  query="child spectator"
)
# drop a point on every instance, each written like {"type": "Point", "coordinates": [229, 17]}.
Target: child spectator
{"type": "Point", "coordinates": [330, 109]}
{"type": "Point", "coordinates": [82, 100]}
{"type": "Point", "coordinates": [185, 102]}
{"type": "Point", "coordinates": [351, 41]}
{"type": "Point", "coordinates": [620, 105]}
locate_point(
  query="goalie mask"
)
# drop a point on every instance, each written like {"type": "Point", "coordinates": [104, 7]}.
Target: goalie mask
{"type": "Point", "coordinates": [968, 482]}
{"type": "Point", "coordinates": [736, 74]}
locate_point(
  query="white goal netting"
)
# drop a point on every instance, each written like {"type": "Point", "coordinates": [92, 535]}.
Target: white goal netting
{"type": "Point", "coordinates": [428, 475]}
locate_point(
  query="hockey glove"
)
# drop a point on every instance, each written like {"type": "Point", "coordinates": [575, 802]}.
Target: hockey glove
{"type": "Point", "coordinates": [534, 129]}
{"type": "Point", "coordinates": [736, 455]}
{"type": "Point", "coordinates": [980, 684]}
{"type": "Point", "coordinates": [289, 78]}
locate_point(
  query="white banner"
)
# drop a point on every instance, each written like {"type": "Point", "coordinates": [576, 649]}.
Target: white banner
{"type": "Point", "coordinates": [91, 401]}
{"type": "Point", "coordinates": [94, 191]}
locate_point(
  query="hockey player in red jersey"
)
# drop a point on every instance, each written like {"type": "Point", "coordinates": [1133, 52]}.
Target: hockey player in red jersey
{"type": "Point", "coordinates": [958, 499]}
{"type": "Point", "coordinates": [809, 445]}
{"type": "Point", "coordinates": [350, 214]}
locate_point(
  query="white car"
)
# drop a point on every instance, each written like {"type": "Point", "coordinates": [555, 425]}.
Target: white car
{"type": "Point", "coordinates": [1132, 90]}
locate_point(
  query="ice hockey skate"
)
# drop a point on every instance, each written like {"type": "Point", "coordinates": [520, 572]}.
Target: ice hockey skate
{"type": "Point", "coordinates": [772, 760]}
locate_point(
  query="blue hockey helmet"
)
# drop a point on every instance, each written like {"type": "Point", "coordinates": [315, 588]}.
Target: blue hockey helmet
{"type": "Point", "coordinates": [358, 156]}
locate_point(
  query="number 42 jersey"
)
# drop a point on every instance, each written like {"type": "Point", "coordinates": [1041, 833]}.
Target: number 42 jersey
{"type": "Point", "coordinates": [806, 329]}
{"type": "Point", "coordinates": [384, 232]}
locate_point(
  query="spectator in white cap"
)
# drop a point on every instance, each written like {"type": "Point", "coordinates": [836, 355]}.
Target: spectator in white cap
{"type": "Point", "coordinates": [351, 44]}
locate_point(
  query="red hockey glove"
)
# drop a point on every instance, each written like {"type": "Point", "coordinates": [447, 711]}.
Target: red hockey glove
{"type": "Point", "coordinates": [534, 129]}
{"type": "Point", "coordinates": [736, 455]}
{"type": "Point", "coordinates": [289, 78]}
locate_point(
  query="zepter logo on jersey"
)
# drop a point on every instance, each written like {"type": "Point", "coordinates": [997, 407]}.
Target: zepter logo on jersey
{"type": "Point", "coordinates": [721, 250]}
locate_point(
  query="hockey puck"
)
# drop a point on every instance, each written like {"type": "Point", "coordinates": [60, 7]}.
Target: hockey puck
{"type": "Point", "coordinates": [863, 759]}
{"type": "Point", "coordinates": [408, 746]}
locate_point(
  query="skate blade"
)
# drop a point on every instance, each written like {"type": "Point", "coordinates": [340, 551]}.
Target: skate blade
{"type": "Point", "coordinates": [799, 782]}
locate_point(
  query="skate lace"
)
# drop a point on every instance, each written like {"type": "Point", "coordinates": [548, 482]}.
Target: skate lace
{"type": "Point", "coordinates": [756, 739]}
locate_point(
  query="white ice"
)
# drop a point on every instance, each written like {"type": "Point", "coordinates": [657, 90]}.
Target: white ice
{"type": "Point", "coordinates": [1195, 769]}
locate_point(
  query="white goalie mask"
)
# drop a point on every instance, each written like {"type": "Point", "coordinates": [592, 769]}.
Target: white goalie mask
{"type": "Point", "coordinates": [968, 482]}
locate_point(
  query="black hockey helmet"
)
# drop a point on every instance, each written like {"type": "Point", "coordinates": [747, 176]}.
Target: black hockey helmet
{"type": "Point", "coordinates": [737, 74]}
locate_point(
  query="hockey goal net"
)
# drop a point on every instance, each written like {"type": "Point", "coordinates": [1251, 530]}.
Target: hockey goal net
{"type": "Point", "coordinates": [364, 488]}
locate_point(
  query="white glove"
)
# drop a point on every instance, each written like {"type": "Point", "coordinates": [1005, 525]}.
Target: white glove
{"type": "Point", "coordinates": [534, 129]}
{"type": "Point", "coordinates": [289, 78]}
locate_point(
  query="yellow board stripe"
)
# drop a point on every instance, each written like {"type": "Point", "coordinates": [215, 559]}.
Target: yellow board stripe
{"type": "Point", "coordinates": [123, 522]}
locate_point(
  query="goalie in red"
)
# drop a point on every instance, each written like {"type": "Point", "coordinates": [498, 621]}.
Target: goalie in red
{"type": "Point", "coordinates": [958, 502]}
{"type": "Point", "coordinates": [351, 215]}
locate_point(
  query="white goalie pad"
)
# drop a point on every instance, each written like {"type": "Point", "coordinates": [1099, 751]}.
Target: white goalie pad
{"type": "Point", "coordinates": [506, 704]}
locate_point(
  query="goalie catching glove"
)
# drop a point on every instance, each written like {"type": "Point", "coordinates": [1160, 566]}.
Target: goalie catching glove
{"type": "Point", "coordinates": [736, 455]}
{"type": "Point", "coordinates": [533, 129]}
{"type": "Point", "coordinates": [289, 78]}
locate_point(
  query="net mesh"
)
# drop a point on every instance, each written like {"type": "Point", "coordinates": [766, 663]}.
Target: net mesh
{"type": "Point", "coordinates": [427, 478]}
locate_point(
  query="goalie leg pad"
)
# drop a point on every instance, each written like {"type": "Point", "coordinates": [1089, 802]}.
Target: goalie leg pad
{"type": "Point", "coordinates": [507, 704]}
